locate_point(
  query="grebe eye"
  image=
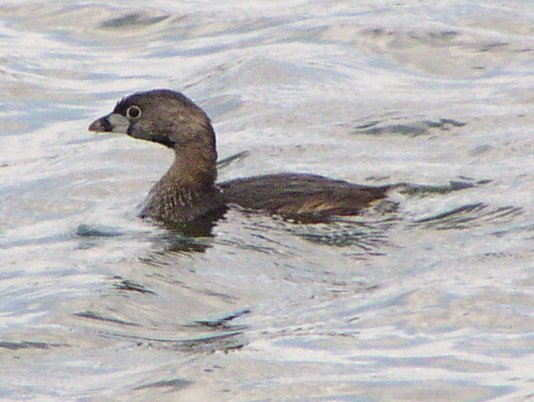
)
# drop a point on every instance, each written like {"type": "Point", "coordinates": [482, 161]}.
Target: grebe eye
{"type": "Point", "coordinates": [133, 112]}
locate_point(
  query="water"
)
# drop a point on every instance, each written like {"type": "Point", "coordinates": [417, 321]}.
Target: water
{"type": "Point", "coordinates": [433, 302]}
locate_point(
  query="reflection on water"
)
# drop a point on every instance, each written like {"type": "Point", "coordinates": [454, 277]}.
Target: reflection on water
{"type": "Point", "coordinates": [424, 127]}
{"type": "Point", "coordinates": [469, 216]}
{"type": "Point", "coordinates": [427, 297]}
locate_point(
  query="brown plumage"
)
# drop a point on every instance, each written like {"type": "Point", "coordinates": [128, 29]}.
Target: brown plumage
{"type": "Point", "coordinates": [189, 191]}
{"type": "Point", "coordinates": [303, 197]}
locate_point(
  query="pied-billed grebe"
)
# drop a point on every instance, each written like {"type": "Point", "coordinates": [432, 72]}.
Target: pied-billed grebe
{"type": "Point", "coordinates": [188, 190]}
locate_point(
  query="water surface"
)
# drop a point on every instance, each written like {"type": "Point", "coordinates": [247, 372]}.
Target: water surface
{"type": "Point", "coordinates": [431, 302]}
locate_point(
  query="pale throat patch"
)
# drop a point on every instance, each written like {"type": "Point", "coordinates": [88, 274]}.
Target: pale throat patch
{"type": "Point", "coordinates": [119, 123]}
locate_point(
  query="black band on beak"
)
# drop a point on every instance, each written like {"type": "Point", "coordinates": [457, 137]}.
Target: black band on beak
{"type": "Point", "coordinates": [101, 125]}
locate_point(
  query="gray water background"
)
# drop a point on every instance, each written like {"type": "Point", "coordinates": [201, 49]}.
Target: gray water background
{"type": "Point", "coordinates": [431, 303]}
